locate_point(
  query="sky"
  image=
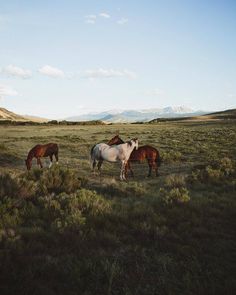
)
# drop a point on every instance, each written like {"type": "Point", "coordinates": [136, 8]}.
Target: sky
{"type": "Point", "coordinates": [62, 58]}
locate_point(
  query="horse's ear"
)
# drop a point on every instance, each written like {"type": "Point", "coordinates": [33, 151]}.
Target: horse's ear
{"type": "Point", "coordinates": [117, 132]}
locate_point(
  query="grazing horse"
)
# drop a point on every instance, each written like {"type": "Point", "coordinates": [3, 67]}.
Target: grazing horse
{"type": "Point", "coordinates": [103, 152]}
{"type": "Point", "coordinates": [42, 150]}
{"type": "Point", "coordinates": [147, 152]}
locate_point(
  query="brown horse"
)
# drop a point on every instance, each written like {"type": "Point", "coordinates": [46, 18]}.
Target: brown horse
{"type": "Point", "coordinates": [147, 152]}
{"type": "Point", "coordinates": [42, 150]}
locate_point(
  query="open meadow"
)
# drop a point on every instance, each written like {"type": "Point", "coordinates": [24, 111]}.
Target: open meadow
{"type": "Point", "coordinates": [66, 231]}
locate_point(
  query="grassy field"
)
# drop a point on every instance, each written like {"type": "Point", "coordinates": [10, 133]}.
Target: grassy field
{"type": "Point", "coordinates": [67, 231]}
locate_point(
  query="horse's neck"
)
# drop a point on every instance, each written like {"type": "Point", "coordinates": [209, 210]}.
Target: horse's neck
{"type": "Point", "coordinates": [130, 148]}
{"type": "Point", "coordinates": [30, 155]}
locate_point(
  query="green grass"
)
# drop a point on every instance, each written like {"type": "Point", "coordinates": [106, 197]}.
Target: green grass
{"type": "Point", "coordinates": [67, 231]}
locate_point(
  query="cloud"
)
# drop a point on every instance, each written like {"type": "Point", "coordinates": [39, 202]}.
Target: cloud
{"type": "Point", "coordinates": [231, 95]}
{"type": "Point", "coordinates": [104, 15]}
{"type": "Point", "coordinates": [109, 73]}
{"type": "Point", "coordinates": [91, 16]}
{"type": "Point", "coordinates": [90, 19]}
{"type": "Point", "coordinates": [7, 91]}
{"type": "Point", "coordinates": [15, 71]}
{"type": "Point", "coordinates": [122, 21]}
{"type": "Point", "coordinates": [52, 72]}
{"type": "Point", "coordinates": [155, 92]}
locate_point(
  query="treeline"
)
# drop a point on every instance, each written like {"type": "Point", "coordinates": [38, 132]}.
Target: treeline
{"type": "Point", "coordinates": [52, 122]}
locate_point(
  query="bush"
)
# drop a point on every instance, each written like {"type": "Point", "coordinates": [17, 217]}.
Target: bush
{"type": "Point", "coordinates": [57, 180]}
{"type": "Point", "coordinates": [175, 180]}
{"type": "Point", "coordinates": [175, 195]}
{"type": "Point", "coordinates": [174, 190]}
{"type": "Point", "coordinates": [171, 156]}
{"type": "Point", "coordinates": [226, 166]}
{"type": "Point", "coordinates": [214, 173]}
{"type": "Point", "coordinates": [8, 186]}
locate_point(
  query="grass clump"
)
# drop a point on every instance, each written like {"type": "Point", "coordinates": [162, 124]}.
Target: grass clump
{"type": "Point", "coordinates": [174, 191]}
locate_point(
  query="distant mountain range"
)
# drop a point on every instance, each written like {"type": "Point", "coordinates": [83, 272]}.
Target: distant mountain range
{"type": "Point", "coordinates": [130, 116]}
{"type": "Point", "coordinates": [118, 116]}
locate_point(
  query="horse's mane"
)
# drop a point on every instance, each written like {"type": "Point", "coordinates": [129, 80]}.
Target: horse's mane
{"type": "Point", "coordinates": [130, 141]}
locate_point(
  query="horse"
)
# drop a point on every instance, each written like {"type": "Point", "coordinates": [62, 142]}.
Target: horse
{"type": "Point", "coordinates": [42, 150]}
{"type": "Point", "coordinates": [121, 152]}
{"type": "Point", "coordinates": [147, 152]}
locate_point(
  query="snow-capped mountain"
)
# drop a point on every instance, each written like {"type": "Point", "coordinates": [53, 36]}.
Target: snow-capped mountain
{"type": "Point", "coordinates": [124, 116]}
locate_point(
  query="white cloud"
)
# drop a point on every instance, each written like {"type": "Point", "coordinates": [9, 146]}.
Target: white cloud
{"type": "Point", "coordinates": [91, 16]}
{"type": "Point", "coordinates": [155, 92]}
{"type": "Point", "coordinates": [90, 19]}
{"type": "Point", "coordinates": [7, 91]}
{"type": "Point", "coordinates": [52, 72]}
{"type": "Point", "coordinates": [122, 21]}
{"type": "Point", "coordinates": [109, 73]}
{"type": "Point", "coordinates": [15, 71]}
{"type": "Point", "coordinates": [231, 95]}
{"type": "Point", "coordinates": [104, 15]}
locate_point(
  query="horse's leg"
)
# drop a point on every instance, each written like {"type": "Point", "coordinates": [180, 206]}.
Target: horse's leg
{"type": "Point", "coordinates": [126, 170]}
{"type": "Point", "coordinates": [50, 165]}
{"type": "Point", "coordinates": [122, 171]}
{"type": "Point", "coordinates": [150, 164]}
{"type": "Point", "coordinates": [155, 167]}
{"type": "Point", "coordinates": [39, 162]}
{"type": "Point", "coordinates": [93, 166]}
{"type": "Point", "coordinates": [130, 169]}
{"type": "Point", "coordinates": [100, 165]}
{"type": "Point", "coordinates": [56, 156]}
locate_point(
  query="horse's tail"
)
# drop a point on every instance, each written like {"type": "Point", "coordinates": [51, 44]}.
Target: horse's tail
{"type": "Point", "coordinates": [91, 152]}
{"type": "Point", "coordinates": [158, 159]}
{"type": "Point", "coordinates": [56, 152]}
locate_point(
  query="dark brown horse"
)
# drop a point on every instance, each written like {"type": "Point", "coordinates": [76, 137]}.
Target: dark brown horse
{"type": "Point", "coordinates": [145, 152]}
{"type": "Point", "coordinates": [42, 150]}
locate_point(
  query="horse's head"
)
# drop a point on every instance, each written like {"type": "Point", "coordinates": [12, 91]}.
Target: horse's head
{"type": "Point", "coordinates": [28, 164]}
{"type": "Point", "coordinates": [135, 143]}
{"type": "Point", "coordinates": [115, 140]}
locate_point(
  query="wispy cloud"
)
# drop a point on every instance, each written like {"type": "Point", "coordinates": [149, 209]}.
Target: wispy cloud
{"type": "Point", "coordinates": [15, 71]}
{"type": "Point", "coordinates": [155, 92]}
{"type": "Point", "coordinates": [90, 19]}
{"type": "Point", "coordinates": [122, 21]}
{"type": "Point", "coordinates": [231, 95]}
{"type": "Point", "coordinates": [52, 72]}
{"type": "Point", "coordinates": [6, 90]}
{"type": "Point", "coordinates": [109, 73]}
{"type": "Point", "coordinates": [104, 15]}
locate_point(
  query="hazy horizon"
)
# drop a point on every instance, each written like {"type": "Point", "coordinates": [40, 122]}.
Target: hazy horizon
{"type": "Point", "coordinates": [67, 58]}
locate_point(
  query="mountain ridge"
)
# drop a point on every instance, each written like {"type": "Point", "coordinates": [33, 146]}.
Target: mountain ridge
{"type": "Point", "coordinates": [131, 116]}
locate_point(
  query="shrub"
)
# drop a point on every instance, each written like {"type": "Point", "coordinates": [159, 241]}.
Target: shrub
{"type": "Point", "coordinates": [175, 180]}
{"type": "Point", "coordinates": [226, 166]}
{"type": "Point", "coordinates": [57, 180]}
{"type": "Point", "coordinates": [8, 186]}
{"type": "Point", "coordinates": [175, 195]}
{"type": "Point", "coordinates": [171, 156]}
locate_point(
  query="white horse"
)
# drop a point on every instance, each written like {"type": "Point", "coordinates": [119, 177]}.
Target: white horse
{"type": "Point", "coordinates": [103, 152]}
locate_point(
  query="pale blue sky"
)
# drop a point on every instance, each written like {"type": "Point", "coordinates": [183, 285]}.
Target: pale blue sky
{"type": "Point", "coordinates": [63, 58]}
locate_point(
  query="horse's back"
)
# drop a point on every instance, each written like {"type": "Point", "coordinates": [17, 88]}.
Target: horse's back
{"type": "Point", "coordinates": [144, 152]}
{"type": "Point", "coordinates": [103, 151]}
{"type": "Point", "coordinates": [45, 150]}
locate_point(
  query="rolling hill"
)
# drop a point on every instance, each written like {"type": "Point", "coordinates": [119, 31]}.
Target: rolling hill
{"type": "Point", "coordinates": [6, 115]}
{"type": "Point", "coordinates": [222, 115]}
